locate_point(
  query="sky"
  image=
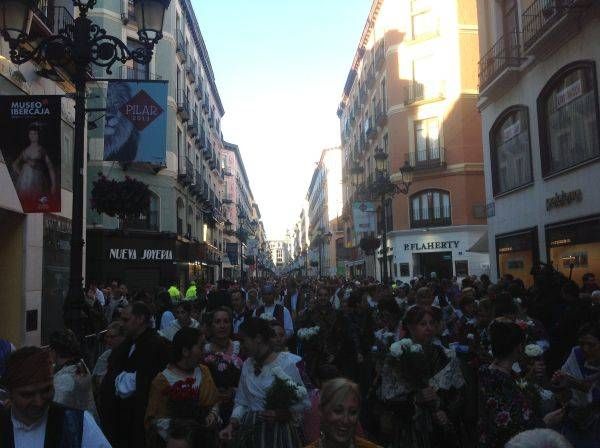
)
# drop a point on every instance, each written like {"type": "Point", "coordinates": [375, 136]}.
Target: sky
{"type": "Point", "coordinates": [280, 68]}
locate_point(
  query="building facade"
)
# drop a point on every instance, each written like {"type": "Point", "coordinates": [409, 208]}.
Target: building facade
{"type": "Point", "coordinates": [185, 216]}
{"type": "Point", "coordinates": [242, 213]}
{"type": "Point", "coordinates": [35, 255]}
{"type": "Point", "coordinates": [412, 93]}
{"type": "Point", "coordinates": [324, 199]}
{"type": "Point", "coordinates": [539, 107]}
{"type": "Point", "coordinates": [280, 254]}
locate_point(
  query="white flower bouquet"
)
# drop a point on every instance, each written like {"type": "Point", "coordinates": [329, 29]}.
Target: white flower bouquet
{"type": "Point", "coordinates": [533, 351]}
{"type": "Point", "coordinates": [284, 392]}
{"type": "Point", "coordinates": [308, 333]}
{"type": "Point", "coordinates": [267, 317]}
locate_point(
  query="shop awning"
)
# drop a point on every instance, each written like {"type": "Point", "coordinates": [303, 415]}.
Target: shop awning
{"type": "Point", "coordinates": [481, 246]}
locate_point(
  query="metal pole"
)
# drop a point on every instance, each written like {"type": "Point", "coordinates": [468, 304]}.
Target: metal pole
{"type": "Point", "coordinates": [75, 299]}
{"type": "Point", "coordinates": [384, 276]}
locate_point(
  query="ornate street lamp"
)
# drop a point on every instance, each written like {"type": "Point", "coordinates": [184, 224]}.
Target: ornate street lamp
{"type": "Point", "coordinates": [74, 49]}
{"type": "Point", "coordinates": [382, 188]}
{"type": "Point", "coordinates": [15, 19]}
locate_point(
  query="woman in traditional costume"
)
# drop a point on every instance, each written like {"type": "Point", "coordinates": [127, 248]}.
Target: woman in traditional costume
{"type": "Point", "coordinates": [261, 417]}
{"type": "Point", "coordinates": [184, 390]}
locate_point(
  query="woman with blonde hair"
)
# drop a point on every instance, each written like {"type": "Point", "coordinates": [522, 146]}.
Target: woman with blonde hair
{"type": "Point", "coordinates": [340, 408]}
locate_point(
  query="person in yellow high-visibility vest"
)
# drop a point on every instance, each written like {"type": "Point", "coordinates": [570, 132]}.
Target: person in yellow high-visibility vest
{"type": "Point", "coordinates": [191, 294]}
{"type": "Point", "coordinates": [174, 293]}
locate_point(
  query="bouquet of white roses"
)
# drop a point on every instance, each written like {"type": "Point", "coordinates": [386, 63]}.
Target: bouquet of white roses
{"type": "Point", "coordinates": [308, 333]}
{"type": "Point", "coordinates": [266, 316]}
{"type": "Point", "coordinates": [284, 392]}
{"type": "Point", "coordinates": [410, 361]}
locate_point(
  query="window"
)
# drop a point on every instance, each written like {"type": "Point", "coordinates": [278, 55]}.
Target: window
{"type": "Point", "coordinates": [180, 212]}
{"type": "Point", "coordinates": [430, 208]}
{"type": "Point", "coordinates": [425, 84]}
{"type": "Point", "coordinates": [568, 111]}
{"type": "Point", "coordinates": [424, 24]}
{"type": "Point", "coordinates": [427, 140]}
{"type": "Point", "coordinates": [511, 151]}
{"type": "Point", "coordinates": [461, 268]}
{"type": "Point", "coordinates": [404, 270]}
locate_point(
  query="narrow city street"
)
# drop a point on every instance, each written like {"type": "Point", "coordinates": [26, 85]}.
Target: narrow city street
{"type": "Point", "coordinates": [391, 239]}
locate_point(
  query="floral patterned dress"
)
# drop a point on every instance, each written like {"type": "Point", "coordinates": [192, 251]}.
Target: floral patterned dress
{"type": "Point", "coordinates": [504, 408]}
{"type": "Point", "coordinates": [225, 369]}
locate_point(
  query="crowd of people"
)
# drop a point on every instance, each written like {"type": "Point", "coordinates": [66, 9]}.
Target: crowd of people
{"type": "Point", "coordinates": [320, 363]}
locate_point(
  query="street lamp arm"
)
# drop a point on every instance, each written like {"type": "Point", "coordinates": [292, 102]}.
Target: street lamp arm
{"type": "Point", "coordinates": [83, 42]}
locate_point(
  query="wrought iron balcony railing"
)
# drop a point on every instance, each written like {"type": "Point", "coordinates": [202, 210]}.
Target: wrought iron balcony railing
{"type": "Point", "coordinates": [504, 54]}
{"type": "Point", "coordinates": [431, 217]}
{"type": "Point", "coordinates": [427, 159]}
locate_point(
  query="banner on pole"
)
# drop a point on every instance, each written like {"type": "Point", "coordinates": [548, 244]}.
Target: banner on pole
{"type": "Point", "coordinates": [364, 216]}
{"type": "Point", "coordinates": [30, 146]}
{"type": "Point", "coordinates": [135, 127]}
{"type": "Point", "coordinates": [232, 253]}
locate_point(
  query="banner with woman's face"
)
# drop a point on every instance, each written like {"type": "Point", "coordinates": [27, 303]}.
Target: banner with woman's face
{"type": "Point", "coordinates": [30, 145]}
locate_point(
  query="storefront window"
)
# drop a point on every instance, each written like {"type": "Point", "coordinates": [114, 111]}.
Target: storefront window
{"type": "Point", "coordinates": [510, 151]}
{"type": "Point", "coordinates": [517, 254]}
{"type": "Point", "coordinates": [568, 110]}
{"type": "Point", "coordinates": [574, 248]}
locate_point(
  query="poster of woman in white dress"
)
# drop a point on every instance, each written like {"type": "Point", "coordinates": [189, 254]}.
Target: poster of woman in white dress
{"type": "Point", "coordinates": [31, 149]}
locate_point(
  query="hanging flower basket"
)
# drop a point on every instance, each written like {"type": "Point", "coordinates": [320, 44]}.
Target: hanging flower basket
{"type": "Point", "coordinates": [125, 200]}
{"type": "Point", "coordinates": [369, 244]}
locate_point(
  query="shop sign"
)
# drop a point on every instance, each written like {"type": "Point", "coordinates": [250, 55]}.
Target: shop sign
{"type": "Point", "coordinates": [564, 199]}
{"type": "Point", "coordinates": [432, 245]}
{"type": "Point", "coordinates": [143, 255]}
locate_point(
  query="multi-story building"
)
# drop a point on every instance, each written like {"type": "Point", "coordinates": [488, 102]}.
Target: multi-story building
{"type": "Point", "coordinates": [324, 198]}
{"type": "Point", "coordinates": [35, 255]}
{"type": "Point", "coordinates": [539, 106]}
{"type": "Point", "coordinates": [280, 254]}
{"type": "Point", "coordinates": [185, 217]}
{"type": "Point", "coordinates": [411, 93]}
{"type": "Point", "coordinates": [240, 210]}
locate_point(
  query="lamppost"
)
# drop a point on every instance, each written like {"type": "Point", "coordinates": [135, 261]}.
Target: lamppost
{"type": "Point", "coordinates": [381, 187]}
{"type": "Point", "coordinates": [74, 50]}
{"type": "Point", "coordinates": [321, 239]}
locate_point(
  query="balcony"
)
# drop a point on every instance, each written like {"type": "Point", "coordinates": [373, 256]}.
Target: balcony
{"type": "Point", "coordinates": [205, 105]}
{"type": "Point", "coordinates": [370, 79]}
{"type": "Point", "coordinates": [147, 221]}
{"type": "Point", "coordinates": [381, 117]}
{"type": "Point", "coordinates": [180, 49]}
{"type": "Point", "coordinates": [371, 132]}
{"type": "Point", "coordinates": [544, 19]}
{"type": "Point", "coordinates": [380, 56]}
{"type": "Point", "coordinates": [209, 253]}
{"type": "Point", "coordinates": [193, 125]}
{"type": "Point", "coordinates": [138, 73]}
{"type": "Point", "coordinates": [227, 199]}
{"type": "Point", "coordinates": [417, 91]}
{"type": "Point", "coordinates": [196, 188]}
{"type": "Point", "coordinates": [199, 89]}
{"type": "Point", "coordinates": [499, 65]}
{"type": "Point", "coordinates": [127, 12]}
{"type": "Point", "coordinates": [207, 150]}
{"type": "Point", "coordinates": [55, 18]}
{"type": "Point", "coordinates": [427, 159]}
{"type": "Point", "coordinates": [431, 217]}
{"type": "Point", "coordinates": [205, 191]}
{"type": "Point", "coordinates": [190, 69]}
{"type": "Point", "coordinates": [183, 105]}
{"type": "Point", "coordinates": [201, 138]}
{"type": "Point", "coordinates": [227, 170]}
{"type": "Point", "coordinates": [186, 172]}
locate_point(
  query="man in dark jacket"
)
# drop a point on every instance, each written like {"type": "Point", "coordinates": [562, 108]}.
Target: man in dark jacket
{"type": "Point", "coordinates": [131, 368]}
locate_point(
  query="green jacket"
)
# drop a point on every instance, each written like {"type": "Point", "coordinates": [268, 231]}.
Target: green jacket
{"type": "Point", "coordinates": [190, 294]}
{"type": "Point", "coordinates": [174, 293]}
